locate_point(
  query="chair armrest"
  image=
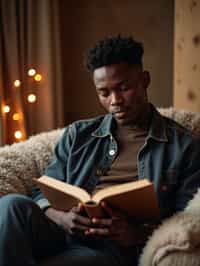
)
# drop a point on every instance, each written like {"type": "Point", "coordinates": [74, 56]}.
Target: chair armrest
{"type": "Point", "coordinates": [20, 162]}
{"type": "Point", "coordinates": [179, 234]}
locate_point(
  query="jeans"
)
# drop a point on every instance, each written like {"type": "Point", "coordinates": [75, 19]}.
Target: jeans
{"type": "Point", "coordinates": [29, 238]}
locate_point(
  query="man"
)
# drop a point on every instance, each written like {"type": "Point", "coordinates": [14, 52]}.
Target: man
{"type": "Point", "coordinates": [133, 141]}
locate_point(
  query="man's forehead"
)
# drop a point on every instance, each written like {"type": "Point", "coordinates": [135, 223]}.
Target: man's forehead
{"type": "Point", "coordinates": [120, 71]}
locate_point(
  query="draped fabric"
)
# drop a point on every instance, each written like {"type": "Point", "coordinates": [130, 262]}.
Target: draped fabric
{"type": "Point", "coordinates": [30, 38]}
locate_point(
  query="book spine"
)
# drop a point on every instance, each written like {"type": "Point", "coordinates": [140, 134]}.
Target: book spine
{"type": "Point", "coordinates": [94, 210]}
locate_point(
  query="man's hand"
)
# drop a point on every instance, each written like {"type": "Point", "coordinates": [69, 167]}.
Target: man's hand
{"type": "Point", "coordinates": [116, 228]}
{"type": "Point", "coordinates": [71, 221]}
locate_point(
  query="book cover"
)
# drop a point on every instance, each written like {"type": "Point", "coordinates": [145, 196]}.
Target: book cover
{"type": "Point", "coordinates": [136, 199]}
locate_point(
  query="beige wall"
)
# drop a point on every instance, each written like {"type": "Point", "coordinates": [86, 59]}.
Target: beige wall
{"type": "Point", "coordinates": [85, 22]}
{"type": "Point", "coordinates": [187, 55]}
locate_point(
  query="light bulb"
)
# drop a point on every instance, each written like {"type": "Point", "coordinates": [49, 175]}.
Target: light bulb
{"type": "Point", "coordinates": [16, 116]}
{"type": "Point", "coordinates": [31, 72]}
{"type": "Point", "coordinates": [18, 134]}
{"type": "Point", "coordinates": [31, 98]}
{"type": "Point", "coordinates": [38, 77]}
{"type": "Point", "coordinates": [6, 108]}
{"type": "Point", "coordinates": [17, 83]}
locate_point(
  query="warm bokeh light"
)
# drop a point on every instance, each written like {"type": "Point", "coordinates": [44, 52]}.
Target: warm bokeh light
{"type": "Point", "coordinates": [31, 98]}
{"type": "Point", "coordinates": [18, 134]}
{"type": "Point", "coordinates": [31, 72]}
{"type": "Point", "coordinates": [9, 105]}
{"type": "Point", "coordinates": [16, 116]}
{"type": "Point", "coordinates": [38, 77]}
{"type": "Point", "coordinates": [6, 108]}
{"type": "Point", "coordinates": [17, 83]}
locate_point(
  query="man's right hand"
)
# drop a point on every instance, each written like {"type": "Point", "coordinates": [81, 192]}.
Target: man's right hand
{"type": "Point", "coordinates": [71, 221]}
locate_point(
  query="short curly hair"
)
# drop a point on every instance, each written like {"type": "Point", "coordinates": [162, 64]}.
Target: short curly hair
{"type": "Point", "coordinates": [114, 50]}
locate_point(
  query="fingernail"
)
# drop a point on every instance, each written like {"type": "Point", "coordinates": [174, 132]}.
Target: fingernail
{"type": "Point", "coordinates": [94, 220]}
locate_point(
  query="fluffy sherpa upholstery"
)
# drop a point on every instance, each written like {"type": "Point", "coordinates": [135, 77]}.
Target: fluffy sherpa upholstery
{"type": "Point", "coordinates": [176, 242]}
{"type": "Point", "coordinates": [20, 162]}
{"type": "Point", "coordinates": [188, 119]}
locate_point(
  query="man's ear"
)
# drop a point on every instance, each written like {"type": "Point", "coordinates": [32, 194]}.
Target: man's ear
{"type": "Point", "coordinates": [146, 79]}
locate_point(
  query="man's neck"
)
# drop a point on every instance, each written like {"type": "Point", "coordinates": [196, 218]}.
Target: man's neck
{"type": "Point", "coordinates": [143, 122]}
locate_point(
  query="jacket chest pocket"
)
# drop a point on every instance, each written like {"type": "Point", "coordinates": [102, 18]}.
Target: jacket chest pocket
{"type": "Point", "coordinates": [169, 180]}
{"type": "Point", "coordinates": [167, 192]}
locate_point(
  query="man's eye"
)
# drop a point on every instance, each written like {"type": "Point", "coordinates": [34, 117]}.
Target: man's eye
{"type": "Point", "coordinates": [103, 93]}
{"type": "Point", "coordinates": [123, 88]}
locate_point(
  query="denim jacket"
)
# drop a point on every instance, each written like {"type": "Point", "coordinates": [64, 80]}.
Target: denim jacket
{"type": "Point", "coordinates": [170, 158]}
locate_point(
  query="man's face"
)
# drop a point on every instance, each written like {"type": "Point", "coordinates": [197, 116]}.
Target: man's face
{"type": "Point", "coordinates": [121, 90]}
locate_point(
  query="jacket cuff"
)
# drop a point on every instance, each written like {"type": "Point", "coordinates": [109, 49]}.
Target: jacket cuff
{"type": "Point", "coordinates": [43, 204]}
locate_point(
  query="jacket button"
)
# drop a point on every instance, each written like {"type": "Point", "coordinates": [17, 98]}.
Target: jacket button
{"type": "Point", "coordinates": [111, 152]}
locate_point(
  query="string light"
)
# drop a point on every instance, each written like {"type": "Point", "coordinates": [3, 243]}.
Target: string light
{"type": "Point", "coordinates": [31, 98]}
{"type": "Point", "coordinates": [18, 134]}
{"type": "Point", "coordinates": [38, 77]}
{"type": "Point", "coordinates": [17, 83]}
{"type": "Point", "coordinates": [16, 116]}
{"type": "Point", "coordinates": [6, 108]}
{"type": "Point", "coordinates": [31, 72]}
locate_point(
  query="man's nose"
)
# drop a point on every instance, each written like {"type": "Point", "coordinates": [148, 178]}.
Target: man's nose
{"type": "Point", "coordinates": [116, 98]}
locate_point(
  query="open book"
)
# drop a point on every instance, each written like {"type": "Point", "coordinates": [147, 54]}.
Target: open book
{"type": "Point", "coordinates": [137, 199]}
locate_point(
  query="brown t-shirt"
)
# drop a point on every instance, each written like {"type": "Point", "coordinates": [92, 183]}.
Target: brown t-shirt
{"type": "Point", "coordinates": [124, 168]}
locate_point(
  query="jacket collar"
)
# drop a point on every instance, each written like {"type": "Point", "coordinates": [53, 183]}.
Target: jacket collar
{"type": "Point", "coordinates": [105, 127]}
{"type": "Point", "coordinates": [157, 129]}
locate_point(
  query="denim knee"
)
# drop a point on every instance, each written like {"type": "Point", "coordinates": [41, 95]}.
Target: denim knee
{"type": "Point", "coordinates": [13, 201]}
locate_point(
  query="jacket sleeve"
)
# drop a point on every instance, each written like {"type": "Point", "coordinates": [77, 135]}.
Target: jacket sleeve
{"type": "Point", "coordinates": [189, 176]}
{"type": "Point", "coordinates": [57, 167]}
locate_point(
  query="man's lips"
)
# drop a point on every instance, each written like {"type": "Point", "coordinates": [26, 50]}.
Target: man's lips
{"type": "Point", "coordinates": [120, 115]}
{"type": "Point", "coordinates": [118, 111]}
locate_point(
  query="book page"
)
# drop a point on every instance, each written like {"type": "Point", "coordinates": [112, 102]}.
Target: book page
{"type": "Point", "coordinates": [136, 199]}
{"type": "Point", "coordinates": [118, 189]}
{"type": "Point", "coordinates": [57, 185]}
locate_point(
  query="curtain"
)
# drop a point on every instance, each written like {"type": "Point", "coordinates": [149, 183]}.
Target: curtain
{"type": "Point", "coordinates": [30, 39]}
